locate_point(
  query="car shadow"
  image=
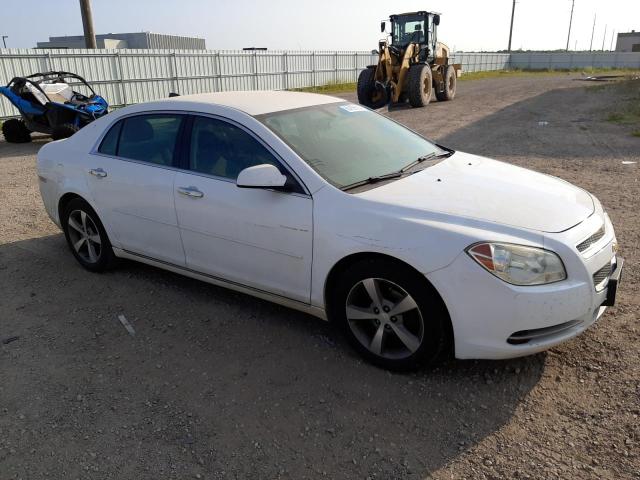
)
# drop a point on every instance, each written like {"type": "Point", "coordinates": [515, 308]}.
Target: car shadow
{"type": "Point", "coordinates": [223, 382]}
{"type": "Point", "coordinates": [566, 123]}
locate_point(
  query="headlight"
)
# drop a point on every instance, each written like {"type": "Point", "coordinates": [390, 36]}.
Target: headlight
{"type": "Point", "coordinates": [517, 264]}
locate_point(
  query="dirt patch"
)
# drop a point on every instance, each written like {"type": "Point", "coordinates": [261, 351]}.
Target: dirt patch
{"type": "Point", "coordinates": [216, 384]}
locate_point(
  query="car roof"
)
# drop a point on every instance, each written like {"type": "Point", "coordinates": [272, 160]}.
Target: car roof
{"type": "Point", "coordinates": [256, 102]}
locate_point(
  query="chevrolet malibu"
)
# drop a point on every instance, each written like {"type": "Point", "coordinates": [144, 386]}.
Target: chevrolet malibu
{"type": "Point", "coordinates": [309, 201]}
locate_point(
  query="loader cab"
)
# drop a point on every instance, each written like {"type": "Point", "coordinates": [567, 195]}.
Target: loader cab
{"type": "Point", "coordinates": [415, 27]}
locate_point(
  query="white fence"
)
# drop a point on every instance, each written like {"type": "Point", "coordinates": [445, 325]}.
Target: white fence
{"type": "Point", "coordinates": [130, 76]}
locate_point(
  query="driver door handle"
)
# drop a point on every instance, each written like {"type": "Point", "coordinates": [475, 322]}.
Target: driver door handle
{"type": "Point", "coordinates": [98, 172]}
{"type": "Point", "coordinates": [190, 192]}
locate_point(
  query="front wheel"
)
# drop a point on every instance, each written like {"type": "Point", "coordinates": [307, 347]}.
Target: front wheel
{"type": "Point", "coordinates": [86, 236]}
{"type": "Point", "coordinates": [390, 314]}
{"type": "Point", "coordinates": [420, 85]}
{"type": "Point", "coordinates": [371, 94]}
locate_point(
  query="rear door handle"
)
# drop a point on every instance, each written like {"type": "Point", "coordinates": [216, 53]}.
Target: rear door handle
{"type": "Point", "coordinates": [98, 172]}
{"type": "Point", "coordinates": [190, 192]}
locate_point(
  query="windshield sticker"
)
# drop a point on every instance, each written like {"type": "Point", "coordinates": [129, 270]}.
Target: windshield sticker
{"type": "Point", "coordinates": [353, 108]}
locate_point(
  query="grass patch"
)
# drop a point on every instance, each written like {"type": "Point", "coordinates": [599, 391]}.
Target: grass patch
{"type": "Point", "coordinates": [626, 109]}
{"type": "Point", "coordinates": [329, 88]}
{"type": "Point", "coordinates": [546, 72]}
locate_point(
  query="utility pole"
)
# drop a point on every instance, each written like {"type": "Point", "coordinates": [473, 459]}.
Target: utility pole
{"type": "Point", "coordinates": [604, 37]}
{"type": "Point", "coordinates": [87, 24]}
{"type": "Point", "coordinates": [570, 21]}
{"type": "Point", "coordinates": [613, 35]}
{"type": "Point", "coordinates": [513, 11]}
{"type": "Point", "coordinates": [4, 40]}
{"type": "Point", "coordinates": [592, 32]}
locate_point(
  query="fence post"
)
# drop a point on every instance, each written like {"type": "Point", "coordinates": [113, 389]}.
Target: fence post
{"type": "Point", "coordinates": [123, 90]}
{"type": "Point", "coordinates": [175, 73]}
{"type": "Point", "coordinates": [335, 67]}
{"type": "Point", "coordinates": [355, 66]}
{"type": "Point", "coordinates": [49, 62]}
{"type": "Point", "coordinates": [285, 72]}
{"type": "Point", "coordinates": [219, 72]}
{"type": "Point", "coordinates": [255, 70]}
{"type": "Point", "coordinates": [313, 69]}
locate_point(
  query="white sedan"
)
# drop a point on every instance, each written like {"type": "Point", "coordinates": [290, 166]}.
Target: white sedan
{"type": "Point", "coordinates": [313, 202]}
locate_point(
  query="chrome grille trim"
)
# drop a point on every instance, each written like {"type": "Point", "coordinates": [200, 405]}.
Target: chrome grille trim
{"type": "Point", "coordinates": [589, 241]}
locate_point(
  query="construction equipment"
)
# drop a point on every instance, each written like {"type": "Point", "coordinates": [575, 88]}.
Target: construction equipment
{"type": "Point", "coordinates": [410, 67]}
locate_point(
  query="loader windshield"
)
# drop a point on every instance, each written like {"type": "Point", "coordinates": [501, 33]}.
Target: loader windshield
{"type": "Point", "coordinates": [347, 143]}
{"type": "Point", "coordinates": [408, 29]}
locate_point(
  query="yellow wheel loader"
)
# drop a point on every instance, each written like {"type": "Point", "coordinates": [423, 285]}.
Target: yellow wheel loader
{"type": "Point", "coordinates": [411, 67]}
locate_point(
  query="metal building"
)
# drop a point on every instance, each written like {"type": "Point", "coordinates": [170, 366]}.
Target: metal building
{"type": "Point", "coordinates": [628, 42]}
{"type": "Point", "coordinates": [144, 40]}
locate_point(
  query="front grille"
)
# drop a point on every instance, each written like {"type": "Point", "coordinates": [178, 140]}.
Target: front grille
{"type": "Point", "coordinates": [587, 242]}
{"type": "Point", "coordinates": [601, 275]}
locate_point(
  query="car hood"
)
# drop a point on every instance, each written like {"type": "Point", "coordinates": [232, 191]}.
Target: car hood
{"type": "Point", "coordinates": [484, 189]}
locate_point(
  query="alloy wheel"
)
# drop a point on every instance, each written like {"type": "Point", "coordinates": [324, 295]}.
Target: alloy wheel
{"type": "Point", "coordinates": [384, 318]}
{"type": "Point", "coordinates": [84, 236]}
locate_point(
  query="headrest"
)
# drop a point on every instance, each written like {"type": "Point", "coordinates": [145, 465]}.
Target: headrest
{"type": "Point", "coordinates": [137, 129]}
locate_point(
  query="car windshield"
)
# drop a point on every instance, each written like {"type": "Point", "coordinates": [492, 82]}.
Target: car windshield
{"type": "Point", "coordinates": [347, 143]}
{"type": "Point", "coordinates": [408, 28]}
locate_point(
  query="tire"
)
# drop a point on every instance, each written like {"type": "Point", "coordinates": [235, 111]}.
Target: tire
{"type": "Point", "coordinates": [420, 83]}
{"type": "Point", "coordinates": [424, 325]}
{"type": "Point", "coordinates": [15, 131]}
{"type": "Point", "coordinates": [63, 131]}
{"type": "Point", "coordinates": [80, 222]}
{"type": "Point", "coordinates": [369, 94]}
{"type": "Point", "coordinates": [450, 83]}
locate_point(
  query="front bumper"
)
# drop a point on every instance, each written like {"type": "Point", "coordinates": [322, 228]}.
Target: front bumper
{"type": "Point", "coordinates": [494, 320]}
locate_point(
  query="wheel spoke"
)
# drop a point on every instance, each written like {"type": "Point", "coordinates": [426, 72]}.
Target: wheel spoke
{"type": "Point", "coordinates": [409, 339]}
{"type": "Point", "coordinates": [357, 313]}
{"type": "Point", "coordinates": [79, 244]}
{"type": "Point", "coordinates": [74, 224]}
{"type": "Point", "coordinates": [373, 289]}
{"type": "Point", "coordinates": [95, 239]}
{"type": "Point", "coordinates": [404, 305]}
{"type": "Point", "coordinates": [376, 343]}
{"type": "Point", "coordinates": [83, 218]}
{"type": "Point", "coordinates": [92, 252]}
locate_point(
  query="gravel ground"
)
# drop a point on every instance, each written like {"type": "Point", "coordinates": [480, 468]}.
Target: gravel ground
{"type": "Point", "coordinates": [216, 384]}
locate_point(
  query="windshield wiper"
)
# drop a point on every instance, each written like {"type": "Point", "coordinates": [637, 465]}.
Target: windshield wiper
{"type": "Point", "coordinates": [423, 158]}
{"type": "Point", "coordinates": [376, 179]}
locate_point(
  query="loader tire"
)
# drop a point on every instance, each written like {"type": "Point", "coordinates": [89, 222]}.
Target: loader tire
{"type": "Point", "coordinates": [369, 94]}
{"type": "Point", "coordinates": [15, 131]}
{"type": "Point", "coordinates": [63, 131]}
{"type": "Point", "coordinates": [450, 82]}
{"type": "Point", "coordinates": [420, 85]}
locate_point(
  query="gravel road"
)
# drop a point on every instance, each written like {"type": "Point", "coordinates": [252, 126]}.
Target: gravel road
{"type": "Point", "coordinates": [216, 384]}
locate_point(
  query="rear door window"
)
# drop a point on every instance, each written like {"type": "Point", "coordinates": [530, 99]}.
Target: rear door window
{"type": "Point", "coordinates": [148, 138]}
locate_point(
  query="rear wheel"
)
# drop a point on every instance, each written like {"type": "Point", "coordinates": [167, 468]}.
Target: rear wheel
{"type": "Point", "coordinates": [371, 94]}
{"type": "Point", "coordinates": [390, 314]}
{"type": "Point", "coordinates": [420, 83]}
{"type": "Point", "coordinates": [450, 82]}
{"type": "Point", "coordinates": [86, 236]}
{"type": "Point", "coordinates": [63, 131]}
{"type": "Point", "coordinates": [15, 131]}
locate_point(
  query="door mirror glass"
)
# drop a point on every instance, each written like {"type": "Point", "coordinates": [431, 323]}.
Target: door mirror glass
{"type": "Point", "coordinates": [383, 26]}
{"type": "Point", "coordinates": [436, 19]}
{"type": "Point", "coordinates": [261, 176]}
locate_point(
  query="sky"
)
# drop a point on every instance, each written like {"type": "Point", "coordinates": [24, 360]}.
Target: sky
{"type": "Point", "coordinates": [466, 25]}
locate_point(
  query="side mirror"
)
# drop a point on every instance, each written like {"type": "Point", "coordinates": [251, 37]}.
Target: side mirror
{"type": "Point", "coordinates": [436, 19]}
{"type": "Point", "coordinates": [375, 52]}
{"type": "Point", "coordinates": [261, 176]}
{"type": "Point", "coordinates": [383, 26]}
